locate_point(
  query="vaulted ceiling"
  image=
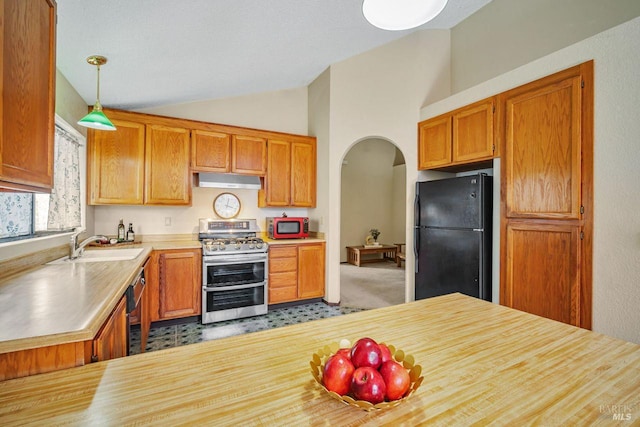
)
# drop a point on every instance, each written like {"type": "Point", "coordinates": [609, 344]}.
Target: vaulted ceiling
{"type": "Point", "coordinates": [163, 52]}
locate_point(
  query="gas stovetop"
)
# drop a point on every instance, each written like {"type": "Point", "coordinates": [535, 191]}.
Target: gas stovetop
{"type": "Point", "coordinates": [220, 236]}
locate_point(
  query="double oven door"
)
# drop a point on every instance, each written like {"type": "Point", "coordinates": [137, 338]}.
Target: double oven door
{"type": "Point", "coordinates": [234, 286]}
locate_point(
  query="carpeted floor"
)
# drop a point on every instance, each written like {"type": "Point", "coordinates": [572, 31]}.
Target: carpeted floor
{"type": "Point", "coordinates": [372, 285]}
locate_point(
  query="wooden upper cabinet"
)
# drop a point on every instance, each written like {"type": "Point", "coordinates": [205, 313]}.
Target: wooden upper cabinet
{"type": "Point", "coordinates": [248, 155]}
{"type": "Point", "coordinates": [278, 179]}
{"type": "Point", "coordinates": [116, 164]}
{"type": "Point", "coordinates": [434, 142]}
{"type": "Point", "coordinates": [463, 136]}
{"type": "Point", "coordinates": [473, 132]}
{"type": "Point", "coordinates": [543, 139]}
{"type": "Point", "coordinates": [291, 173]}
{"type": "Point", "coordinates": [27, 82]}
{"type": "Point", "coordinates": [210, 151]}
{"type": "Point", "coordinates": [167, 171]}
{"type": "Point", "coordinates": [303, 174]}
{"type": "Point", "coordinates": [138, 163]}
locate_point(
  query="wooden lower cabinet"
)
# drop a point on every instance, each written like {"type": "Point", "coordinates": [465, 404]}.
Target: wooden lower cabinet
{"type": "Point", "coordinates": [175, 284]}
{"type": "Point", "coordinates": [40, 360]}
{"type": "Point", "coordinates": [296, 272]}
{"type": "Point", "coordinates": [542, 274]}
{"type": "Point", "coordinates": [111, 342]}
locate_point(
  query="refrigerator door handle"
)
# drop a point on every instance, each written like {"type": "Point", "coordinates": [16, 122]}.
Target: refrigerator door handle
{"type": "Point", "coordinates": [416, 239]}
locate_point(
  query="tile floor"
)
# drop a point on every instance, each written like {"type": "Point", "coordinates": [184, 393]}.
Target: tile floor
{"type": "Point", "coordinates": [189, 333]}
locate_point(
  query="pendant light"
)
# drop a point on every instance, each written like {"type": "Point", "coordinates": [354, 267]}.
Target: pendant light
{"type": "Point", "coordinates": [396, 15]}
{"type": "Point", "coordinates": [96, 118]}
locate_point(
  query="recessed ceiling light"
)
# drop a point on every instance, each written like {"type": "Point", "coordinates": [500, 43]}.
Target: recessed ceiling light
{"type": "Point", "coordinates": [398, 15]}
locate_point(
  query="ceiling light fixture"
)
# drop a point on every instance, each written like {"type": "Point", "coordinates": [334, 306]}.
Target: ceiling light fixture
{"type": "Point", "coordinates": [396, 15]}
{"type": "Point", "coordinates": [96, 118]}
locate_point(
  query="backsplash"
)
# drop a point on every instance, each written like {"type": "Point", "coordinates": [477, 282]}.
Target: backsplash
{"type": "Point", "coordinates": [154, 220]}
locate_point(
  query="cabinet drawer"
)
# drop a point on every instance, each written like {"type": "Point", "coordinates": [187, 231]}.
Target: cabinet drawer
{"type": "Point", "coordinates": [279, 280]}
{"type": "Point", "coordinates": [283, 294]}
{"type": "Point", "coordinates": [279, 265]}
{"type": "Point", "coordinates": [283, 251]}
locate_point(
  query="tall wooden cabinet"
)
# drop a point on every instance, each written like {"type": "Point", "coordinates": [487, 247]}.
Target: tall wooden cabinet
{"type": "Point", "coordinates": [27, 83]}
{"type": "Point", "coordinates": [547, 206]}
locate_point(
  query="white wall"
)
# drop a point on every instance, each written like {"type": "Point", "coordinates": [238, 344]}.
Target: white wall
{"type": "Point", "coordinates": [281, 111]}
{"type": "Point", "coordinates": [379, 94]}
{"type": "Point", "coordinates": [367, 194]}
{"type": "Point", "coordinates": [616, 242]}
{"type": "Point", "coordinates": [506, 34]}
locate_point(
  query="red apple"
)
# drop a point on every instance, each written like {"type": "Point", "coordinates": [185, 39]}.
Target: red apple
{"type": "Point", "coordinates": [346, 352]}
{"type": "Point", "coordinates": [367, 384]}
{"type": "Point", "coordinates": [337, 373]}
{"type": "Point", "coordinates": [366, 352]}
{"type": "Point", "coordinates": [396, 378]}
{"type": "Point", "coordinates": [386, 353]}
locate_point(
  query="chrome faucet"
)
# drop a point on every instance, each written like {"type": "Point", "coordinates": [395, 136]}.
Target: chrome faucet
{"type": "Point", "coordinates": [76, 250]}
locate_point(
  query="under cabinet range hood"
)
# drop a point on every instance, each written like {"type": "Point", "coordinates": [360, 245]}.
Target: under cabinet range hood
{"type": "Point", "coordinates": [226, 180]}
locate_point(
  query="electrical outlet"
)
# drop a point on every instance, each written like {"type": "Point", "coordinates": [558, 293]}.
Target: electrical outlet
{"type": "Point", "coordinates": [167, 221]}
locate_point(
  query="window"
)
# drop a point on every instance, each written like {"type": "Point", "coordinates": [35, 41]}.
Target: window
{"type": "Point", "coordinates": [29, 215]}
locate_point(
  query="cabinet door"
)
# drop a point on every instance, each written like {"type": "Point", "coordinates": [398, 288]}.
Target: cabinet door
{"type": "Point", "coordinates": [116, 164]}
{"type": "Point", "coordinates": [311, 271]}
{"type": "Point", "coordinates": [27, 73]}
{"type": "Point", "coordinates": [542, 274]}
{"type": "Point", "coordinates": [303, 174]}
{"type": "Point", "coordinates": [179, 283]}
{"type": "Point", "coordinates": [210, 151]}
{"type": "Point", "coordinates": [278, 179]}
{"type": "Point", "coordinates": [434, 142]}
{"type": "Point", "coordinates": [111, 341]}
{"type": "Point", "coordinates": [248, 155]}
{"type": "Point", "coordinates": [543, 142]}
{"type": "Point", "coordinates": [473, 132]}
{"type": "Point", "coordinates": [547, 180]}
{"type": "Point", "coordinates": [283, 273]}
{"type": "Point", "coordinates": [167, 166]}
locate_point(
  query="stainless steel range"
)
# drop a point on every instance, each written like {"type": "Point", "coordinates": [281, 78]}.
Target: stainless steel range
{"type": "Point", "coordinates": [234, 269]}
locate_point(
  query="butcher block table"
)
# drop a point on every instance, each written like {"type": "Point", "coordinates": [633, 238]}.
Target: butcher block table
{"type": "Point", "coordinates": [482, 363]}
{"type": "Point", "coordinates": [354, 253]}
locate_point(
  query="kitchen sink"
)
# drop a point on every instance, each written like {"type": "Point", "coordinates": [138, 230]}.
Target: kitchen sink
{"type": "Point", "coordinates": [103, 255]}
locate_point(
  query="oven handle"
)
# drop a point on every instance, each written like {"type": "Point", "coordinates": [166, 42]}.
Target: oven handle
{"type": "Point", "coordinates": [233, 259]}
{"type": "Point", "coordinates": [233, 287]}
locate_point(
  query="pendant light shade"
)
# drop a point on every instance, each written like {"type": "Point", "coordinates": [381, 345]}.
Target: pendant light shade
{"type": "Point", "coordinates": [396, 15]}
{"type": "Point", "coordinates": [96, 118]}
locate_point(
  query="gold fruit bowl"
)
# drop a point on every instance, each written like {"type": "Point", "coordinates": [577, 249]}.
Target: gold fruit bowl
{"type": "Point", "coordinates": [320, 357]}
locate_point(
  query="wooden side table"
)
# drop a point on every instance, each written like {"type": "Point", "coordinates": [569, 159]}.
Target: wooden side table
{"type": "Point", "coordinates": [354, 254]}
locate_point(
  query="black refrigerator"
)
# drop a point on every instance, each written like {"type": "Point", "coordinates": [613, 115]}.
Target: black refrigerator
{"type": "Point", "coordinates": [452, 237]}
